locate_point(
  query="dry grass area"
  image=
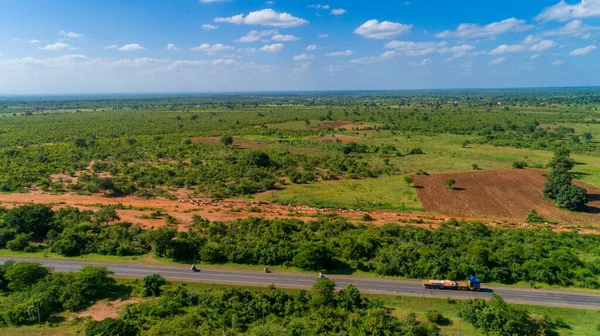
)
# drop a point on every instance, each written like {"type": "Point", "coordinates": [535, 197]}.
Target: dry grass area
{"type": "Point", "coordinates": [105, 309]}
{"type": "Point", "coordinates": [510, 194]}
{"type": "Point", "coordinates": [237, 142]}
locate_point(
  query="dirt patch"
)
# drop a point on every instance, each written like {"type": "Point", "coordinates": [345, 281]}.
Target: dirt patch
{"type": "Point", "coordinates": [333, 124]}
{"type": "Point", "coordinates": [237, 142]}
{"type": "Point", "coordinates": [105, 309]}
{"type": "Point", "coordinates": [500, 193]}
{"type": "Point", "coordinates": [339, 138]}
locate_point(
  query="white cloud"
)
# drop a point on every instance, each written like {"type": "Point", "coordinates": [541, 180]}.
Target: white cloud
{"type": "Point", "coordinates": [172, 47]}
{"type": "Point", "coordinates": [458, 50]}
{"type": "Point", "coordinates": [586, 36]}
{"type": "Point", "coordinates": [265, 17]}
{"type": "Point", "coordinates": [374, 29]}
{"type": "Point", "coordinates": [319, 6]}
{"type": "Point", "coordinates": [497, 61]}
{"type": "Point", "coordinates": [212, 49]}
{"type": "Point", "coordinates": [426, 61]}
{"type": "Point", "coordinates": [255, 35]}
{"type": "Point", "coordinates": [34, 41]}
{"type": "Point", "coordinates": [470, 30]}
{"type": "Point", "coordinates": [269, 2]}
{"type": "Point", "coordinates": [203, 63]}
{"type": "Point", "coordinates": [207, 26]}
{"type": "Point", "coordinates": [531, 39]}
{"type": "Point", "coordinates": [543, 45]}
{"type": "Point", "coordinates": [563, 11]}
{"type": "Point", "coordinates": [70, 34]}
{"type": "Point", "coordinates": [372, 59]}
{"type": "Point", "coordinates": [213, 1]}
{"type": "Point", "coordinates": [284, 38]}
{"type": "Point", "coordinates": [535, 56]}
{"type": "Point", "coordinates": [132, 47]}
{"type": "Point", "coordinates": [58, 46]}
{"type": "Point", "coordinates": [409, 48]}
{"type": "Point", "coordinates": [582, 51]}
{"type": "Point", "coordinates": [340, 53]}
{"type": "Point", "coordinates": [557, 62]}
{"type": "Point", "coordinates": [305, 57]}
{"type": "Point", "coordinates": [505, 48]}
{"type": "Point", "coordinates": [573, 28]}
{"type": "Point", "coordinates": [311, 47]}
{"type": "Point", "coordinates": [114, 46]}
{"type": "Point", "coordinates": [323, 35]}
{"type": "Point", "coordinates": [338, 11]}
{"type": "Point", "coordinates": [408, 3]}
{"type": "Point", "coordinates": [272, 48]}
{"type": "Point", "coordinates": [249, 51]}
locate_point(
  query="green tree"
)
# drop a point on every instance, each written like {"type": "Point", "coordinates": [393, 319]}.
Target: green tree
{"type": "Point", "coordinates": [20, 243]}
{"type": "Point", "coordinates": [112, 327]}
{"type": "Point", "coordinates": [152, 284]}
{"type": "Point", "coordinates": [408, 180]}
{"type": "Point", "coordinates": [23, 275]}
{"type": "Point", "coordinates": [34, 218]}
{"type": "Point", "coordinates": [323, 293]}
{"type": "Point", "coordinates": [449, 182]}
{"type": "Point", "coordinates": [227, 140]}
{"type": "Point", "coordinates": [572, 197]}
{"type": "Point", "coordinates": [160, 240]}
{"type": "Point", "coordinates": [312, 256]}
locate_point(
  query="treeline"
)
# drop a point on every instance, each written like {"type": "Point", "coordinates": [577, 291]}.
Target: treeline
{"type": "Point", "coordinates": [31, 293]}
{"type": "Point", "coordinates": [330, 243]}
{"type": "Point", "coordinates": [559, 183]}
{"type": "Point", "coordinates": [322, 311]}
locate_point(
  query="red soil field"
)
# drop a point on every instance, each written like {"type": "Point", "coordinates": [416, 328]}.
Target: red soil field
{"type": "Point", "coordinates": [509, 194]}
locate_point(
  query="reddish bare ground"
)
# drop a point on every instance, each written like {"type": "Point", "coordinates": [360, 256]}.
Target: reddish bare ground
{"type": "Point", "coordinates": [340, 138]}
{"type": "Point", "coordinates": [237, 142]}
{"type": "Point", "coordinates": [105, 309]}
{"type": "Point", "coordinates": [508, 194]}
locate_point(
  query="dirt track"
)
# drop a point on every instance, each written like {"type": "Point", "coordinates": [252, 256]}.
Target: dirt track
{"type": "Point", "coordinates": [510, 194]}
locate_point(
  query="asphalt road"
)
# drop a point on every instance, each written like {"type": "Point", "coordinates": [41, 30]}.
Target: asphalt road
{"type": "Point", "coordinates": [367, 285]}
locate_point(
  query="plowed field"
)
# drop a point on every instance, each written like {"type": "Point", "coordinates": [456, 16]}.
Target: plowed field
{"type": "Point", "coordinates": [509, 194]}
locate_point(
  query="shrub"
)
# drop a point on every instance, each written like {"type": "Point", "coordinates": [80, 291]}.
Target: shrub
{"type": "Point", "coordinates": [416, 151]}
{"type": "Point", "coordinates": [20, 243]}
{"type": "Point", "coordinates": [533, 217]}
{"type": "Point", "coordinates": [572, 197]}
{"type": "Point", "coordinates": [519, 164]}
{"type": "Point", "coordinates": [152, 284]}
{"type": "Point", "coordinates": [435, 316]}
{"type": "Point", "coordinates": [110, 326]}
{"type": "Point", "coordinates": [449, 182]}
{"type": "Point", "coordinates": [367, 218]}
{"type": "Point", "coordinates": [23, 275]}
{"type": "Point", "coordinates": [227, 140]}
{"type": "Point", "coordinates": [408, 180]}
{"type": "Point", "coordinates": [312, 256]}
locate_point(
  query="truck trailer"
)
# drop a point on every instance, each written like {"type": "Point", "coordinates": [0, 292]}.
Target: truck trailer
{"type": "Point", "coordinates": [473, 284]}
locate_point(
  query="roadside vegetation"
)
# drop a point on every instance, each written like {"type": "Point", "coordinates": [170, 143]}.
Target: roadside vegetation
{"type": "Point", "coordinates": [453, 251]}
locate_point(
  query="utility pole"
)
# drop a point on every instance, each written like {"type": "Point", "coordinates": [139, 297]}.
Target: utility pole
{"type": "Point", "coordinates": [38, 311]}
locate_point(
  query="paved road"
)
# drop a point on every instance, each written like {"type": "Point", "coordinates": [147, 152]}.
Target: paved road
{"type": "Point", "coordinates": [367, 285]}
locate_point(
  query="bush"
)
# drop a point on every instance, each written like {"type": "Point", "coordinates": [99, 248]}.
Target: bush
{"type": "Point", "coordinates": [312, 256]}
{"type": "Point", "coordinates": [416, 151]}
{"type": "Point", "coordinates": [435, 316]}
{"type": "Point", "coordinates": [519, 164]}
{"type": "Point", "coordinates": [112, 327]}
{"type": "Point", "coordinates": [572, 197]}
{"type": "Point", "coordinates": [450, 182]}
{"type": "Point", "coordinates": [408, 180]}
{"type": "Point", "coordinates": [20, 243]}
{"type": "Point", "coordinates": [533, 217]}
{"type": "Point", "coordinates": [23, 275]}
{"type": "Point", "coordinates": [367, 218]}
{"type": "Point", "coordinates": [152, 284]}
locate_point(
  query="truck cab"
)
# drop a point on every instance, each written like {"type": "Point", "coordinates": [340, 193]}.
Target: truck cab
{"type": "Point", "coordinates": [474, 283]}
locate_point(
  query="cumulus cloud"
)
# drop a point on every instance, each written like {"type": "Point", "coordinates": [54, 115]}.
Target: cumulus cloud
{"type": "Point", "coordinates": [425, 61]}
{"type": "Point", "coordinates": [374, 29]}
{"type": "Point", "coordinates": [409, 48]}
{"type": "Point", "coordinates": [497, 61]}
{"type": "Point", "coordinates": [582, 51]}
{"type": "Point", "coordinates": [557, 62]}
{"type": "Point", "coordinates": [132, 47]}
{"type": "Point", "coordinates": [505, 48]}
{"type": "Point", "coordinates": [58, 46]}
{"type": "Point", "coordinates": [535, 56]}
{"type": "Point", "coordinates": [272, 48]}
{"type": "Point", "coordinates": [311, 47]}
{"type": "Point", "coordinates": [323, 35]}
{"type": "Point", "coordinates": [338, 11]}
{"type": "Point", "coordinates": [265, 17]}
{"type": "Point", "coordinates": [573, 28]}
{"type": "Point", "coordinates": [72, 35]}
{"type": "Point", "coordinates": [113, 46]}
{"type": "Point", "coordinates": [563, 11]}
{"type": "Point", "coordinates": [172, 47]}
{"type": "Point", "coordinates": [372, 59]}
{"type": "Point", "coordinates": [319, 6]}
{"type": "Point", "coordinates": [212, 49]}
{"type": "Point", "coordinates": [284, 38]}
{"type": "Point", "coordinates": [470, 30]}
{"type": "Point", "coordinates": [34, 41]}
{"type": "Point", "coordinates": [207, 26]}
{"type": "Point", "coordinates": [340, 53]}
{"type": "Point", "coordinates": [543, 45]}
{"type": "Point", "coordinates": [255, 35]}
{"type": "Point", "coordinates": [305, 57]}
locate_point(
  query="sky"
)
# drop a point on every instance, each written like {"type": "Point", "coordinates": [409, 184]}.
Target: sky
{"type": "Point", "coordinates": [145, 46]}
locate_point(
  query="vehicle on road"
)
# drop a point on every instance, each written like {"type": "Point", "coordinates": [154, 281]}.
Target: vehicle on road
{"type": "Point", "coordinates": [473, 284]}
{"type": "Point", "coordinates": [194, 268]}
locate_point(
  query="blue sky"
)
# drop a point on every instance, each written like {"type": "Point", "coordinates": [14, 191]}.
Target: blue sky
{"type": "Point", "coordinates": [113, 46]}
